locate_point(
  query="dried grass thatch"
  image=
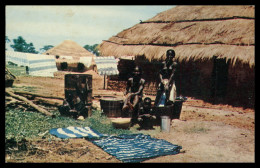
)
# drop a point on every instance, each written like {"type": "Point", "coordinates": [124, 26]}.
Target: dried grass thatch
{"type": "Point", "coordinates": [69, 48]}
{"type": "Point", "coordinates": [180, 13]}
{"type": "Point", "coordinates": [194, 32]}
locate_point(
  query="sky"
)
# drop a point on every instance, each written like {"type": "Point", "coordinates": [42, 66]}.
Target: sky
{"type": "Point", "coordinates": [87, 24]}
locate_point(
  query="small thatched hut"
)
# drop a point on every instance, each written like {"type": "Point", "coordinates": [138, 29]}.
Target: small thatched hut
{"type": "Point", "coordinates": [68, 55]}
{"type": "Point", "coordinates": [214, 45]}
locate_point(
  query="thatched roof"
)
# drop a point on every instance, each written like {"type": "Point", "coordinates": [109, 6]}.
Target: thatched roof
{"type": "Point", "coordinates": [69, 48]}
{"type": "Point", "coordinates": [194, 32]}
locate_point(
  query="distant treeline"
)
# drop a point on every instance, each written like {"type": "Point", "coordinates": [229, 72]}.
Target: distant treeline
{"type": "Point", "coordinates": [20, 45]}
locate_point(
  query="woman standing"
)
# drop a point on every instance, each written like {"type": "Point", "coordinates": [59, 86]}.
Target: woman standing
{"type": "Point", "coordinates": [166, 92]}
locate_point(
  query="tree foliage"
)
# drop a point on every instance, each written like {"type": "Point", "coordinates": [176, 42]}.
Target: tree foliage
{"type": "Point", "coordinates": [46, 47]}
{"type": "Point", "coordinates": [7, 40]}
{"type": "Point", "coordinates": [92, 48]}
{"type": "Point", "coordinates": [20, 45]}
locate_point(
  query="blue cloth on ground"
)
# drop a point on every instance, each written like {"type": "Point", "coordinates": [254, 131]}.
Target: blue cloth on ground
{"type": "Point", "coordinates": [136, 147]}
{"type": "Point", "coordinates": [76, 132]}
{"type": "Point", "coordinates": [126, 148]}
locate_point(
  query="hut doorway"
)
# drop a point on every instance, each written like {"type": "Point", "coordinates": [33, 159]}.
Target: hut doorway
{"type": "Point", "coordinates": [64, 66]}
{"type": "Point", "coordinates": [219, 78]}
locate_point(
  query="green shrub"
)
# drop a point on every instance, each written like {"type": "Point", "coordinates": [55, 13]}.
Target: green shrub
{"type": "Point", "coordinates": [20, 124]}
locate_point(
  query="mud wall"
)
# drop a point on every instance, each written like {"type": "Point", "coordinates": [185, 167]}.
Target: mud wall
{"type": "Point", "coordinates": [194, 79]}
{"type": "Point", "coordinates": [241, 86]}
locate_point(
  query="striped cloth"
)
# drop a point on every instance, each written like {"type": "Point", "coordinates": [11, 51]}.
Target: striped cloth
{"type": "Point", "coordinates": [126, 148]}
{"type": "Point", "coordinates": [136, 147]}
{"type": "Point", "coordinates": [38, 64]}
{"type": "Point", "coordinates": [76, 132]}
{"type": "Point", "coordinates": [106, 65]}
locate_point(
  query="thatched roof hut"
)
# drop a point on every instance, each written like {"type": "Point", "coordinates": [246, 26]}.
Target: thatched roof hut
{"type": "Point", "coordinates": [214, 45]}
{"type": "Point", "coordinates": [73, 51]}
{"type": "Point", "coordinates": [69, 48]}
{"type": "Point", "coordinates": [194, 32]}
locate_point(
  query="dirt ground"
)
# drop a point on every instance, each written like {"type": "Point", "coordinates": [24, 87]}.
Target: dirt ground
{"type": "Point", "coordinates": [206, 132]}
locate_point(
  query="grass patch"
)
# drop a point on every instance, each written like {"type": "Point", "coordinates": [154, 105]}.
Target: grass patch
{"type": "Point", "coordinates": [195, 129]}
{"type": "Point", "coordinates": [20, 124]}
{"type": "Point", "coordinates": [101, 123]}
{"type": "Point", "coordinates": [17, 70]}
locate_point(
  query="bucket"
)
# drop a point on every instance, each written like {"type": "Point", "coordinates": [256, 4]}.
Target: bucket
{"type": "Point", "coordinates": [174, 110]}
{"type": "Point", "coordinates": [165, 123]}
{"type": "Point", "coordinates": [177, 109]}
{"type": "Point", "coordinates": [111, 106]}
{"type": "Point", "coordinates": [162, 111]}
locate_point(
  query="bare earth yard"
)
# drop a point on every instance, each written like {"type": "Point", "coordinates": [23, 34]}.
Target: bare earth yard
{"type": "Point", "coordinates": [206, 132]}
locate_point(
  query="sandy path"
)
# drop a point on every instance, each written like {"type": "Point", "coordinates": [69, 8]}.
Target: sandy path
{"type": "Point", "coordinates": [207, 133]}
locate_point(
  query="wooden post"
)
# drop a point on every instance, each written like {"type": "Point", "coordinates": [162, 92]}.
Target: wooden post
{"type": "Point", "coordinates": [38, 108]}
{"type": "Point", "coordinates": [105, 81]}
